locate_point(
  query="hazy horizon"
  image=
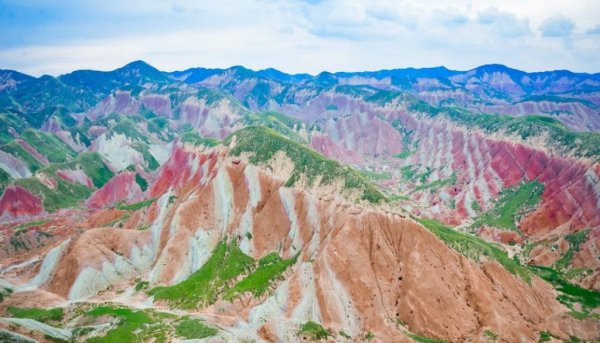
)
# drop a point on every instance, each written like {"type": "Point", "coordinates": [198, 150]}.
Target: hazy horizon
{"type": "Point", "coordinates": [311, 74]}
{"type": "Point", "coordinates": [299, 36]}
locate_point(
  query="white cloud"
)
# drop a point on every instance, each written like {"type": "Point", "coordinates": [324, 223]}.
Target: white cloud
{"type": "Point", "coordinates": [304, 36]}
{"type": "Point", "coordinates": [557, 26]}
{"type": "Point", "coordinates": [503, 23]}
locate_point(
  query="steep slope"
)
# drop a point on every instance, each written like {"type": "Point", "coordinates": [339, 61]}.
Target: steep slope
{"type": "Point", "coordinates": [359, 271]}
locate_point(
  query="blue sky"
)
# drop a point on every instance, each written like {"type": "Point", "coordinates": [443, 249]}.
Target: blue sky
{"type": "Point", "coordinates": [54, 37]}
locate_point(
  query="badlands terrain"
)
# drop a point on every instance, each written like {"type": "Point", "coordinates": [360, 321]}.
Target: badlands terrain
{"type": "Point", "coordinates": [231, 205]}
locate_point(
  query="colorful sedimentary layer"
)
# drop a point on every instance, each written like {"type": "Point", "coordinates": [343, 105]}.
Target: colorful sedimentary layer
{"type": "Point", "coordinates": [16, 202]}
{"type": "Point", "coordinates": [358, 270]}
{"type": "Point", "coordinates": [121, 188]}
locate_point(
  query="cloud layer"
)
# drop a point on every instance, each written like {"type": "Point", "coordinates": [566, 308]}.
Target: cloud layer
{"type": "Point", "coordinates": [298, 36]}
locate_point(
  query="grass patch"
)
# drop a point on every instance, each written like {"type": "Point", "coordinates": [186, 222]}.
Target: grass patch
{"type": "Point", "coordinates": [141, 285]}
{"type": "Point", "coordinates": [217, 277]}
{"type": "Point", "coordinates": [575, 240]}
{"type": "Point", "coordinates": [374, 176]}
{"type": "Point", "coordinates": [570, 293]}
{"type": "Point", "coordinates": [345, 335]}
{"type": "Point", "coordinates": [127, 128]}
{"type": "Point", "coordinates": [135, 206]}
{"type": "Point", "coordinates": [270, 267]}
{"type": "Point", "coordinates": [437, 184]}
{"type": "Point", "coordinates": [194, 329]}
{"type": "Point", "coordinates": [264, 143]}
{"type": "Point", "coordinates": [513, 203]}
{"type": "Point", "coordinates": [144, 149]}
{"type": "Point", "coordinates": [404, 154]}
{"type": "Point", "coordinates": [545, 336]}
{"type": "Point", "coordinates": [314, 330]}
{"type": "Point", "coordinates": [40, 314]}
{"type": "Point", "coordinates": [397, 197]}
{"type": "Point", "coordinates": [48, 145]}
{"type": "Point", "coordinates": [474, 247]}
{"type": "Point", "coordinates": [65, 195]}
{"type": "Point", "coordinates": [422, 339]}
{"type": "Point", "coordinates": [409, 172]}
{"type": "Point", "coordinates": [134, 326]}
{"type": "Point", "coordinates": [491, 335]}
{"type": "Point", "coordinates": [90, 162]}
{"type": "Point", "coordinates": [141, 182]}
{"type": "Point", "coordinates": [194, 138]}
{"type": "Point", "coordinates": [276, 121]}
{"type": "Point", "coordinates": [32, 223]}
{"type": "Point", "coordinates": [18, 151]}
{"type": "Point", "coordinates": [204, 286]}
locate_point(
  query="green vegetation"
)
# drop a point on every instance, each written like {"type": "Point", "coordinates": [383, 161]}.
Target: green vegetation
{"type": "Point", "coordinates": [584, 144]}
{"type": "Point", "coordinates": [489, 334]}
{"type": "Point", "coordinates": [571, 293]}
{"type": "Point", "coordinates": [80, 135]}
{"type": "Point", "coordinates": [134, 325]}
{"type": "Point", "coordinates": [32, 223]}
{"type": "Point", "coordinates": [408, 172]}
{"type": "Point", "coordinates": [141, 285]}
{"type": "Point", "coordinates": [39, 314]}
{"type": "Point", "coordinates": [473, 247]}
{"type": "Point", "coordinates": [369, 336]}
{"type": "Point", "coordinates": [545, 336]}
{"type": "Point", "coordinates": [345, 335]}
{"type": "Point", "coordinates": [575, 272]}
{"type": "Point", "coordinates": [270, 268]}
{"type": "Point", "coordinates": [11, 120]}
{"type": "Point", "coordinates": [217, 277]}
{"type": "Point", "coordinates": [18, 151]}
{"type": "Point", "coordinates": [141, 182]}
{"type": "Point", "coordinates": [397, 197]}
{"type": "Point", "coordinates": [194, 329]}
{"type": "Point", "coordinates": [194, 138]}
{"type": "Point", "coordinates": [90, 162]}
{"type": "Point", "coordinates": [264, 143]}
{"type": "Point", "coordinates": [281, 123]}
{"type": "Point", "coordinates": [135, 206]}
{"type": "Point", "coordinates": [48, 145]}
{"type": "Point", "coordinates": [314, 330]}
{"type": "Point", "coordinates": [126, 127]}
{"type": "Point", "coordinates": [575, 240]}
{"type": "Point", "coordinates": [422, 339]}
{"type": "Point", "coordinates": [160, 126]}
{"type": "Point", "coordinates": [437, 184]}
{"type": "Point", "coordinates": [404, 154]}
{"type": "Point", "coordinates": [5, 180]}
{"type": "Point", "coordinates": [65, 195]}
{"type": "Point", "coordinates": [513, 203]}
{"type": "Point", "coordinates": [4, 292]}
{"type": "Point", "coordinates": [373, 176]}
{"type": "Point", "coordinates": [144, 149]}
{"type": "Point", "coordinates": [94, 167]}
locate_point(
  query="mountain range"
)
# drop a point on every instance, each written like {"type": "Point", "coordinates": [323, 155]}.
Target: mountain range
{"type": "Point", "coordinates": [426, 205]}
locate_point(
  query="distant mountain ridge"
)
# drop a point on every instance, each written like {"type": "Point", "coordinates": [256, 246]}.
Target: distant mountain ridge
{"type": "Point", "coordinates": [572, 98]}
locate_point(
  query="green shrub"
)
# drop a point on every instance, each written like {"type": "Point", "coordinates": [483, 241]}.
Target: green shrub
{"type": "Point", "coordinates": [314, 330]}
{"type": "Point", "coordinates": [194, 329]}
{"type": "Point", "coordinates": [40, 314]}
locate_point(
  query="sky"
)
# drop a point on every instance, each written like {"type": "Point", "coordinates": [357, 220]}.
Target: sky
{"type": "Point", "coordinates": [55, 37]}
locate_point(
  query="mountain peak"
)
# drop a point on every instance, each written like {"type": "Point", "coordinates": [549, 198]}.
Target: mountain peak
{"type": "Point", "coordinates": [139, 64]}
